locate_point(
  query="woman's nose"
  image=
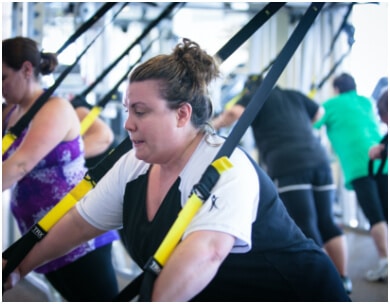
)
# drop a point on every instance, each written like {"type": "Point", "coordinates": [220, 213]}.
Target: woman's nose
{"type": "Point", "coordinates": [129, 124]}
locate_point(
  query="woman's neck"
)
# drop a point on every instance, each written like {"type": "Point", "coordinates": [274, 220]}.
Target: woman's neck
{"type": "Point", "coordinates": [178, 163]}
{"type": "Point", "coordinates": [30, 97]}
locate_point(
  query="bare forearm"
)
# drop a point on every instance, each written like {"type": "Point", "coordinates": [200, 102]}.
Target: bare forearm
{"type": "Point", "coordinates": [228, 117]}
{"type": "Point", "coordinates": [190, 269]}
{"type": "Point", "coordinates": [68, 233]}
{"type": "Point", "coordinates": [94, 146]}
{"type": "Point", "coordinates": [12, 172]}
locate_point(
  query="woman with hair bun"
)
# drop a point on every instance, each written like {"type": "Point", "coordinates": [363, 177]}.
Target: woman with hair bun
{"type": "Point", "coordinates": [43, 164]}
{"type": "Point", "coordinates": [240, 246]}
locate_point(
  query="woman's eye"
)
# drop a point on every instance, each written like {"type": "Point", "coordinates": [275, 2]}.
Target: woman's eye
{"type": "Point", "coordinates": [139, 113]}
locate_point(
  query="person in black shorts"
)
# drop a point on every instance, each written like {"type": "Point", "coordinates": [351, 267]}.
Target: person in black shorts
{"type": "Point", "coordinates": [296, 160]}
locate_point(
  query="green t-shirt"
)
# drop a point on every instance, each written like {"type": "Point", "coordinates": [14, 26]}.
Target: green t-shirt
{"type": "Point", "coordinates": [352, 128]}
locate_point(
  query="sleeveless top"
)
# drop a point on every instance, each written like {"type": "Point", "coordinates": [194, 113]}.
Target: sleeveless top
{"type": "Point", "coordinates": [44, 186]}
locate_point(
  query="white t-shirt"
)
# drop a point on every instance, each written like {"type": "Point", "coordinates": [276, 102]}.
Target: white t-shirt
{"type": "Point", "coordinates": [231, 207]}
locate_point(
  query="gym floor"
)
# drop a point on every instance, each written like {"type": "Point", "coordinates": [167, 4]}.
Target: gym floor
{"type": "Point", "coordinates": [362, 256]}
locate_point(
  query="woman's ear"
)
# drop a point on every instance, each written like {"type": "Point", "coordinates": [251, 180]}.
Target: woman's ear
{"type": "Point", "coordinates": [184, 113]}
{"type": "Point", "coordinates": [28, 69]}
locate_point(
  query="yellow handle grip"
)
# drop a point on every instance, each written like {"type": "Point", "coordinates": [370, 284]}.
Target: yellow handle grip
{"type": "Point", "coordinates": [8, 140]}
{"type": "Point", "coordinates": [89, 119]}
{"type": "Point", "coordinates": [185, 216]}
{"type": "Point", "coordinates": [63, 206]}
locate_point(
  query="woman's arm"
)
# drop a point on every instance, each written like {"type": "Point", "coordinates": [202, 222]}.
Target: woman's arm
{"type": "Point", "coordinates": [98, 137]}
{"type": "Point", "coordinates": [55, 122]}
{"type": "Point", "coordinates": [70, 231]}
{"type": "Point", "coordinates": [192, 266]}
{"type": "Point", "coordinates": [228, 117]}
{"type": "Point", "coordinates": [318, 115]}
{"type": "Point", "coordinates": [376, 151]}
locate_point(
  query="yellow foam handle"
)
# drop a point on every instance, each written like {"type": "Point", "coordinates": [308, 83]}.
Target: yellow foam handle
{"type": "Point", "coordinates": [185, 216]}
{"type": "Point", "coordinates": [222, 164]}
{"type": "Point", "coordinates": [312, 93]}
{"type": "Point", "coordinates": [89, 119]}
{"type": "Point", "coordinates": [177, 230]}
{"type": "Point", "coordinates": [8, 140]}
{"type": "Point", "coordinates": [63, 206]}
{"type": "Point", "coordinates": [234, 100]}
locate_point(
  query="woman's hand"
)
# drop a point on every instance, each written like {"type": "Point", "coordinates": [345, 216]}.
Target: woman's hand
{"type": "Point", "coordinates": [12, 279]}
{"type": "Point", "coordinates": [376, 151]}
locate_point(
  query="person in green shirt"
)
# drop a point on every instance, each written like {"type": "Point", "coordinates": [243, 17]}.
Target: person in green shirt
{"type": "Point", "coordinates": [353, 128]}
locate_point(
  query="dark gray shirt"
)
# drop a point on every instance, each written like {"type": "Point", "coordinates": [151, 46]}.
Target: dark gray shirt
{"type": "Point", "coordinates": [284, 134]}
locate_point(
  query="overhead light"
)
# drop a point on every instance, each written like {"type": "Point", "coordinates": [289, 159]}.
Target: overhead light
{"type": "Point", "coordinates": [240, 6]}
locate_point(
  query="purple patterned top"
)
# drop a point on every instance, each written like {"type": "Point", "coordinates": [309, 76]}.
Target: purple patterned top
{"type": "Point", "coordinates": [51, 179]}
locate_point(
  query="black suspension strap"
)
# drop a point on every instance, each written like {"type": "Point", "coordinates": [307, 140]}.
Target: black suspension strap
{"type": "Point", "coordinates": [249, 29]}
{"type": "Point", "coordinates": [98, 108]}
{"type": "Point", "coordinates": [349, 29]}
{"type": "Point", "coordinates": [341, 28]}
{"type": "Point", "coordinates": [383, 159]}
{"type": "Point", "coordinates": [164, 14]}
{"type": "Point", "coordinates": [14, 132]}
{"type": "Point", "coordinates": [86, 25]}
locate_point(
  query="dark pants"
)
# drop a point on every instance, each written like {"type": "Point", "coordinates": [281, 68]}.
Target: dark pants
{"type": "Point", "coordinates": [309, 197]}
{"type": "Point", "coordinates": [372, 195]}
{"type": "Point", "coordinates": [90, 278]}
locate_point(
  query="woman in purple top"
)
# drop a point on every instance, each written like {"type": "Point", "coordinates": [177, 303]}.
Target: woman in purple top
{"type": "Point", "coordinates": [43, 164]}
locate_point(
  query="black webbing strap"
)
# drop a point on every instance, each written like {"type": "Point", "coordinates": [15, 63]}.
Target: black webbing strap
{"type": "Point", "coordinates": [269, 81]}
{"type": "Point", "coordinates": [95, 111]}
{"type": "Point", "coordinates": [26, 118]}
{"type": "Point", "coordinates": [164, 14]}
{"type": "Point", "coordinates": [243, 123]}
{"type": "Point", "coordinates": [87, 24]}
{"type": "Point", "coordinates": [383, 159]}
{"type": "Point", "coordinates": [249, 29]}
{"type": "Point", "coordinates": [350, 31]}
{"type": "Point", "coordinates": [341, 28]}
